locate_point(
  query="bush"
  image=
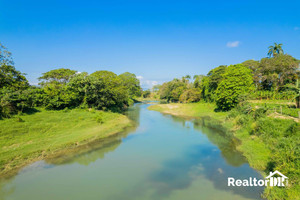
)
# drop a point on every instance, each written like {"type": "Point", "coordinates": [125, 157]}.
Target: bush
{"type": "Point", "coordinates": [190, 95]}
{"type": "Point", "coordinates": [100, 118]}
{"type": "Point", "coordinates": [13, 102]}
{"type": "Point", "coordinates": [163, 102]}
{"type": "Point", "coordinates": [146, 94]}
{"type": "Point", "coordinates": [19, 119]}
{"type": "Point", "coordinates": [260, 112]}
{"type": "Point", "coordinates": [66, 109]}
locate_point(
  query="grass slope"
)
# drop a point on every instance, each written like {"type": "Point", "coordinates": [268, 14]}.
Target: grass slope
{"type": "Point", "coordinates": [27, 138]}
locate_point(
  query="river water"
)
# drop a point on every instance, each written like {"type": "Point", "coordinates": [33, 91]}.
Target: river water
{"type": "Point", "coordinates": [163, 158]}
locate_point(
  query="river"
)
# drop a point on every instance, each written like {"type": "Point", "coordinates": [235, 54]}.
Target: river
{"type": "Point", "coordinates": [163, 158]}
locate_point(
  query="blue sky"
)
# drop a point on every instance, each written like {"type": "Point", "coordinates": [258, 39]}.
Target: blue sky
{"type": "Point", "coordinates": [156, 40]}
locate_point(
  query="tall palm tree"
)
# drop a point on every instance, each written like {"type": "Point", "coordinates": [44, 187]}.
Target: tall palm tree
{"type": "Point", "coordinates": [275, 50]}
{"type": "Point", "coordinates": [186, 79]}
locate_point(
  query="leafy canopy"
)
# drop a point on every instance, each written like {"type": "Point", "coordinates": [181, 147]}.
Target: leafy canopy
{"type": "Point", "coordinates": [237, 81]}
{"type": "Point", "coordinates": [61, 75]}
{"type": "Point", "coordinates": [5, 56]}
{"type": "Point", "coordinates": [11, 78]}
{"type": "Point", "coordinates": [131, 83]}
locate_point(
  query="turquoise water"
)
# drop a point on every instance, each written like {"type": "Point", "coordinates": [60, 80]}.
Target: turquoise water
{"type": "Point", "coordinates": [164, 157]}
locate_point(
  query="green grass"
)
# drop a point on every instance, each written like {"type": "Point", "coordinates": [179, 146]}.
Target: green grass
{"type": "Point", "coordinates": [273, 101]}
{"type": "Point", "coordinates": [190, 110]}
{"type": "Point", "coordinates": [24, 139]}
{"type": "Point", "coordinates": [284, 109]}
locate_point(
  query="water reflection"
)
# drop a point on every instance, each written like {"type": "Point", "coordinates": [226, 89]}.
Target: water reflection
{"type": "Point", "coordinates": [95, 150]}
{"type": "Point", "coordinates": [91, 152]}
{"type": "Point", "coordinates": [218, 135]}
{"type": "Point", "coordinates": [179, 173]}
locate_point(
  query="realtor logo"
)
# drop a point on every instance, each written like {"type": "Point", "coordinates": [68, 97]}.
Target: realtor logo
{"type": "Point", "coordinates": [274, 179]}
{"type": "Point", "coordinates": [280, 180]}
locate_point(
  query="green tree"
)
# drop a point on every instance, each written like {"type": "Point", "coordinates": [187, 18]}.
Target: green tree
{"type": "Point", "coordinates": [254, 66]}
{"type": "Point", "coordinates": [172, 90]}
{"type": "Point", "coordinates": [216, 76]}
{"type": "Point", "coordinates": [198, 81]}
{"type": "Point", "coordinates": [190, 95]}
{"type": "Point", "coordinates": [275, 50]}
{"type": "Point", "coordinates": [146, 93]}
{"type": "Point", "coordinates": [60, 76]}
{"type": "Point", "coordinates": [80, 84]}
{"type": "Point", "coordinates": [57, 94]}
{"type": "Point", "coordinates": [205, 90]}
{"type": "Point", "coordinates": [107, 91]}
{"type": "Point", "coordinates": [11, 78]}
{"type": "Point", "coordinates": [13, 102]}
{"type": "Point", "coordinates": [186, 79]}
{"type": "Point", "coordinates": [210, 84]}
{"type": "Point", "coordinates": [5, 56]}
{"type": "Point", "coordinates": [156, 88]}
{"type": "Point", "coordinates": [131, 83]}
{"type": "Point", "coordinates": [237, 81]}
{"type": "Point", "coordinates": [278, 71]}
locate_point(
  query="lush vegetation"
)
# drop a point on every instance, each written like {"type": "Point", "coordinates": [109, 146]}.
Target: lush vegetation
{"type": "Point", "coordinates": [275, 77]}
{"type": "Point", "coordinates": [261, 100]}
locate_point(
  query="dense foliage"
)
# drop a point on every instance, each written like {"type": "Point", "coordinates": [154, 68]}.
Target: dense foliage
{"type": "Point", "coordinates": [279, 136]}
{"type": "Point", "coordinates": [275, 77]}
{"type": "Point", "coordinates": [236, 81]}
{"type": "Point", "coordinates": [64, 88]}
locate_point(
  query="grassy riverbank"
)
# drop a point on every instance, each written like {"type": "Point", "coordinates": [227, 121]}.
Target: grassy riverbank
{"type": "Point", "coordinates": [24, 139]}
{"type": "Point", "coordinates": [269, 144]}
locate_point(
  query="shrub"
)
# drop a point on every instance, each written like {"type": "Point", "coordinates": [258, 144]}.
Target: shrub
{"type": "Point", "coordinates": [163, 101]}
{"type": "Point", "coordinates": [100, 118]}
{"type": "Point", "coordinates": [260, 112]}
{"type": "Point", "coordinates": [19, 119]}
{"type": "Point", "coordinates": [190, 95]}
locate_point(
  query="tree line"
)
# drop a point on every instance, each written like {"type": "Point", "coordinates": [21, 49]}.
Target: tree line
{"type": "Point", "coordinates": [274, 76]}
{"type": "Point", "coordinates": [64, 88]}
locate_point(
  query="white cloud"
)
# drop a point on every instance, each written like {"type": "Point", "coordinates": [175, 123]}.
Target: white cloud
{"type": "Point", "coordinates": [139, 77]}
{"type": "Point", "coordinates": [151, 83]}
{"type": "Point", "coordinates": [233, 44]}
{"type": "Point", "coordinates": [33, 83]}
{"type": "Point", "coordinates": [146, 84]}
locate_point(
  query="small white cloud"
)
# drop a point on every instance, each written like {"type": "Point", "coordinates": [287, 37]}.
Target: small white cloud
{"type": "Point", "coordinates": [296, 28]}
{"type": "Point", "coordinates": [33, 83]}
{"type": "Point", "coordinates": [148, 84]}
{"type": "Point", "coordinates": [233, 44]}
{"type": "Point", "coordinates": [145, 83]}
{"type": "Point", "coordinates": [151, 83]}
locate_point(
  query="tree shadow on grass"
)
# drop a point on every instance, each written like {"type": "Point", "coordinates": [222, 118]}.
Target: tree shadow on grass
{"type": "Point", "coordinates": [31, 111]}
